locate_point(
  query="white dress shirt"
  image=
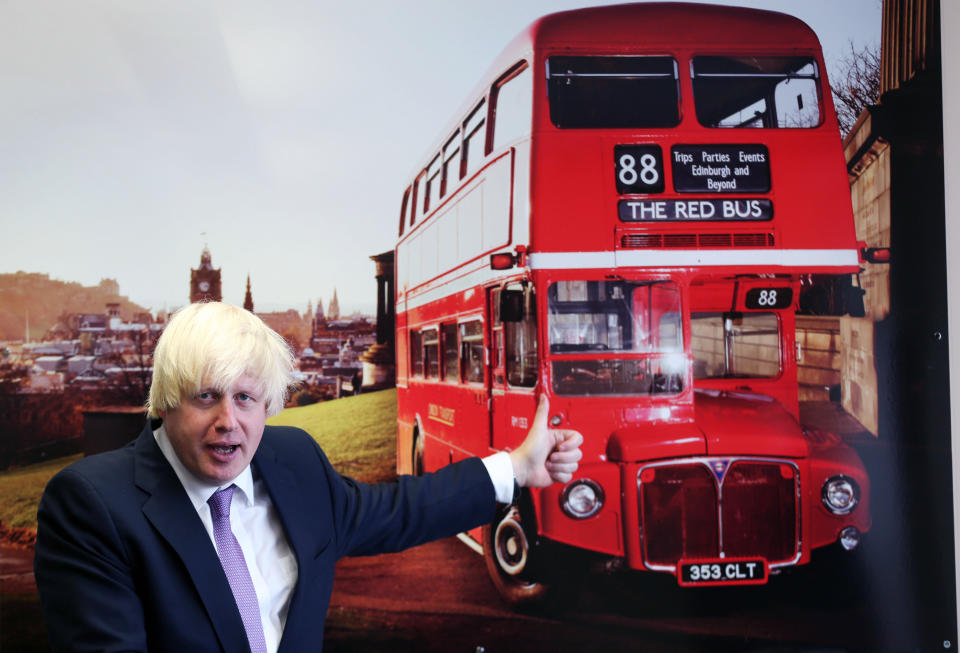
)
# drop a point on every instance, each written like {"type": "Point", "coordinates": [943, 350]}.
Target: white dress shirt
{"type": "Point", "coordinates": [258, 529]}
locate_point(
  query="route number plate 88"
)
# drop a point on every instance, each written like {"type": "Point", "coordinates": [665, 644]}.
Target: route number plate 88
{"type": "Point", "coordinates": [723, 572]}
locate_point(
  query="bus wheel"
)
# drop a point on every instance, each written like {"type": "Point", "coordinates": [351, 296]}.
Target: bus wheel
{"type": "Point", "coordinates": [417, 457]}
{"type": "Point", "coordinates": [511, 562]}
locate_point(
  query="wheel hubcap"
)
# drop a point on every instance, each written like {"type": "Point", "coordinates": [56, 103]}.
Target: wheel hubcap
{"type": "Point", "coordinates": [510, 545]}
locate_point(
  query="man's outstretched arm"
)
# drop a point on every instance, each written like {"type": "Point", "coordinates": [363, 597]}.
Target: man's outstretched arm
{"type": "Point", "coordinates": [393, 516]}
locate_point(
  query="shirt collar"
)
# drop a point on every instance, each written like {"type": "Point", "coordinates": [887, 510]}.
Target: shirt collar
{"type": "Point", "coordinates": [199, 490]}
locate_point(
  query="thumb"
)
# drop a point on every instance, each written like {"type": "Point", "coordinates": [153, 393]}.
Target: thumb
{"type": "Point", "coordinates": [543, 410]}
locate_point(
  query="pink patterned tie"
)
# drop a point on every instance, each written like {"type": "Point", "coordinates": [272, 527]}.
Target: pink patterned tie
{"type": "Point", "coordinates": [231, 559]}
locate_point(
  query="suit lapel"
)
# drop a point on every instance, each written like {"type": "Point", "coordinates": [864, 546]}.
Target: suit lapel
{"type": "Point", "coordinates": [289, 503]}
{"type": "Point", "coordinates": [300, 527]}
{"type": "Point", "coordinates": [170, 511]}
{"type": "Point", "coordinates": [285, 495]}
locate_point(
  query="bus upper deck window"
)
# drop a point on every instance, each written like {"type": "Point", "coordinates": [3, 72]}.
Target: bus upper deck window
{"type": "Point", "coordinates": [474, 139]}
{"type": "Point", "coordinates": [746, 91]}
{"type": "Point", "coordinates": [512, 107]}
{"type": "Point", "coordinates": [404, 209]}
{"type": "Point", "coordinates": [451, 164]}
{"type": "Point", "coordinates": [432, 192]}
{"type": "Point", "coordinates": [613, 92]}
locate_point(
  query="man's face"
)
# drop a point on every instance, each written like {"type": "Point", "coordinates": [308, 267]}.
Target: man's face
{"type": "Point", "coordinates": [215, 434]}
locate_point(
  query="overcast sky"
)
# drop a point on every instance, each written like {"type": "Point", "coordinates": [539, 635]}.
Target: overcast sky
{"type": "Point", "coordinates": [281, 134]}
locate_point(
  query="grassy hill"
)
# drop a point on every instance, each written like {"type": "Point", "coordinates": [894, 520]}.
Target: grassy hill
{"type": "Point", "coordinates": [46, 299]}
{"type": "Point", "coordinates": [20, 491]}
{"type": "Point", "coordinates": [358, 434]}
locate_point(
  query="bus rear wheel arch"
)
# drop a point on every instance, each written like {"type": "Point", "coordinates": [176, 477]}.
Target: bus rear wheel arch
{"type": "Point", "coordinates": [416, 454]}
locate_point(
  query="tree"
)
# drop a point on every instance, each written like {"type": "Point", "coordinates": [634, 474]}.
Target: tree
{"type": "Point", "coordinates": [856, 84]}
{"type": "Point", "coordinates": [134, 359]}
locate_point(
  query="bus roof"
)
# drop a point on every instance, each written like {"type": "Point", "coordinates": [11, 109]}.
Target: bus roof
{"type": "Point", "coordinates": [659, 25]}
{"type": "Point", "coordinates": [666, 24]}
{"type": "Point", "coordinates": [679, 24]}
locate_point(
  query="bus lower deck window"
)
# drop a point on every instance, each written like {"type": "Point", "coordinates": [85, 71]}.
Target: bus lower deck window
{"type": "Point", "coordinates": [451, 362]}
{"type": "Point", "coordinates": [416, 353]}
{"type": "Point", "coordinates": [471, 351]}
{"type": "Point", "coordinates": [431, 354]}
{"type": "Point", "coordinates": [522, 359]}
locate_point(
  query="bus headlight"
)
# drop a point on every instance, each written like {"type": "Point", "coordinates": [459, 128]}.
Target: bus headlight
{"type": "Point", "coordinates": [581, 499]}
{"type": "Point", "coordinates": [840, 494]}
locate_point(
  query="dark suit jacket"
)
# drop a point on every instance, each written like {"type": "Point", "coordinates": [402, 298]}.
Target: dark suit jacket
{"type": "Point", "coordinates": [123, 561]}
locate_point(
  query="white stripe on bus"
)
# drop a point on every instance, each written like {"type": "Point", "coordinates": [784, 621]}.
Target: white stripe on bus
{"type": "Point", "coordinates": [693, 257]}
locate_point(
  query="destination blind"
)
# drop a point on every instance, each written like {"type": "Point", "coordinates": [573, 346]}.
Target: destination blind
{"type": "Point", "coordinates": [720, 168]}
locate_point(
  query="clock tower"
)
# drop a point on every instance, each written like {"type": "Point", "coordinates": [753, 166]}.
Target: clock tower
{"type": "Point", "coordinates": [205, 280]}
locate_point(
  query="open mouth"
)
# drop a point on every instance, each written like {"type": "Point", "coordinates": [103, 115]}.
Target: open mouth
{"type": "Point", "coordinates": [224, 450]}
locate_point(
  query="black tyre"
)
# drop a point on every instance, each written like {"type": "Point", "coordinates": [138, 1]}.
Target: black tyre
{"type": "Point", "coordinates": [528, 574]}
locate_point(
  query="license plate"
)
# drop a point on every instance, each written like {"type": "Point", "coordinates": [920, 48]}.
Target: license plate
{"type": "Point", "coordinates": [724, 571]}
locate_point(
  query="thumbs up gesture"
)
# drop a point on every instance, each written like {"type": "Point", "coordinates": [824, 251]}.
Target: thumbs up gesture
{"type": "Point", "coordinates": [546, 455]}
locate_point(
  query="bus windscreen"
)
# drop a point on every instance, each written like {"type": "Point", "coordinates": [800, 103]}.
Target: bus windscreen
{"type": "Point", "coordinates": [606, 318]}
{"type": "Point", "coordinates": [735, 345]}
{"type": "Point", "coordinates": [613, 92]}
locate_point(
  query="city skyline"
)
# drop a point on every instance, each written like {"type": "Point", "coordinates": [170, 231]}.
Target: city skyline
{"type": "Point", "coordinates": [281, 137]}
{"type": "Point", "coordinates": [310, 304]}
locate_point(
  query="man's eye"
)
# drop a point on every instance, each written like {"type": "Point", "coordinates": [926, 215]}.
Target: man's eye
{"type": "Point", "coordinates": [243, 396]}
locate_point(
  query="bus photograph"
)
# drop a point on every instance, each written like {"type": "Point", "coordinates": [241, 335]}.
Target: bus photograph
{"type": "Point", "coordinates": [710, 237]}
{"type": "Point", "coordinates": [624, 217]}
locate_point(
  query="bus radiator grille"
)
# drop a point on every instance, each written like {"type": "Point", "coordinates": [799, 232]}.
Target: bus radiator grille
{"type": "Point", "coordinates": [688, 513]}
{"type": "Point", "coordinates": [704, 241]}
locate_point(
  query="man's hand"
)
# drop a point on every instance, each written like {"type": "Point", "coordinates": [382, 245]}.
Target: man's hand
{"type": "Point", "coordinates": [546, 455]}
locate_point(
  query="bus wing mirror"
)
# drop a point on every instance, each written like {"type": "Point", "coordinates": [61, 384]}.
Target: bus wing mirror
{"type": "Point", "coordinates": [511, 305]}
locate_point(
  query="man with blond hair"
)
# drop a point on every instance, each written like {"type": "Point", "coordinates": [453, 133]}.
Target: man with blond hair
{"type": "Point", "coordinates": [215, 532]}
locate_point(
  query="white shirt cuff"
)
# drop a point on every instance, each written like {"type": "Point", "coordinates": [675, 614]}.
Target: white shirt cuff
{"type": "Point", "coordinates": [500, 468]}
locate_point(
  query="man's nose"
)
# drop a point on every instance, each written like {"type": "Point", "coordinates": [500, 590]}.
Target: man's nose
{"type": "Point", "coordinates": [226, 415]}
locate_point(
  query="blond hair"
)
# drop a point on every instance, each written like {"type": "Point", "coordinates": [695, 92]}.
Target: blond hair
{"type": "Point", "coordinates": [212, 344]}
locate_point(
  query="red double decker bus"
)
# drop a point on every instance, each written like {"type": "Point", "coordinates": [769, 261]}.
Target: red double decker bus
{"type": "Point", "coordinates": [622, 217]}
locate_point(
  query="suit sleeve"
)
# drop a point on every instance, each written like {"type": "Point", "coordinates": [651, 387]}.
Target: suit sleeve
{"type": "Point", "coordinates": [388, 517]}
{"type": "Point", "coordinates": [86, 587]}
